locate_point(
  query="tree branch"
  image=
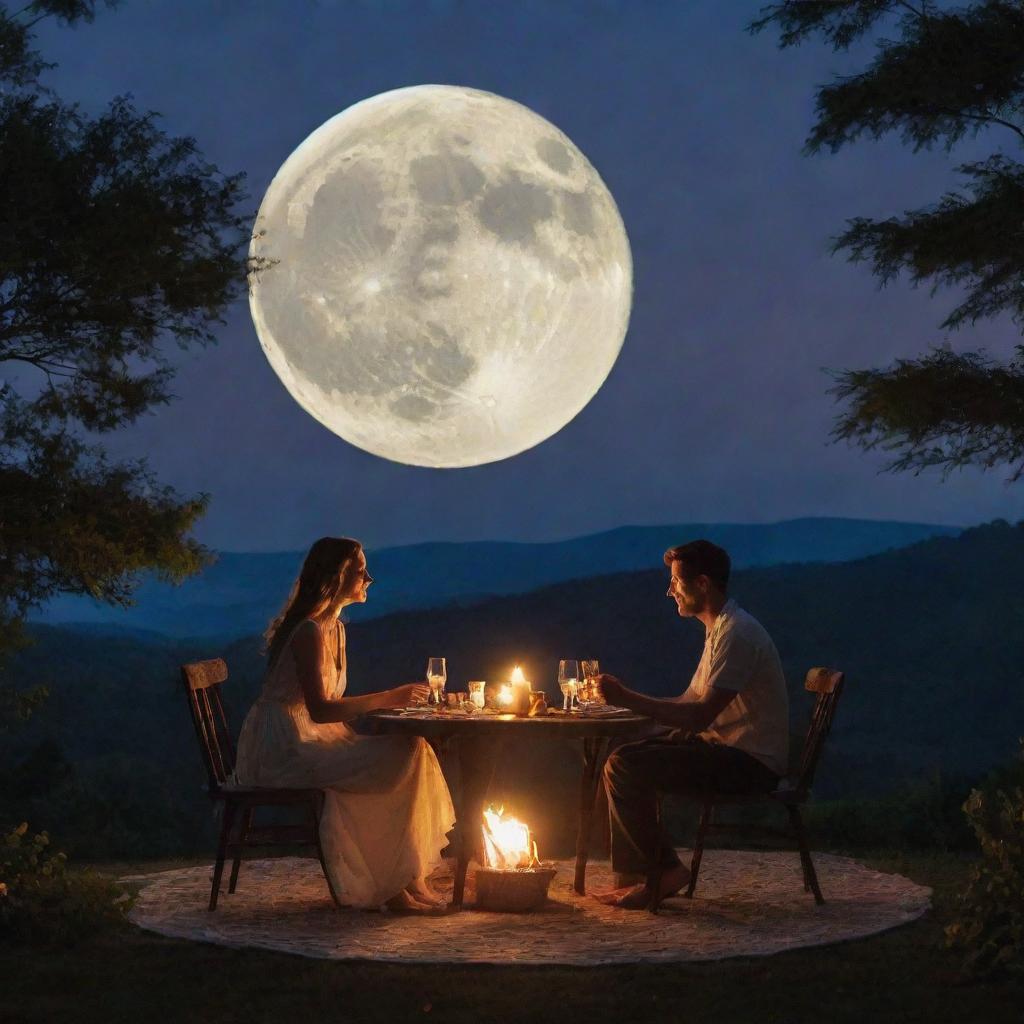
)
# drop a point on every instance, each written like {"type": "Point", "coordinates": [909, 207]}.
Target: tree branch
{"type": "Point", "coordinates": [987, 117]}
{"type": "Point", "coordinates": [946, 410]}
{"type": "Point", "coordinates": [922, 14]}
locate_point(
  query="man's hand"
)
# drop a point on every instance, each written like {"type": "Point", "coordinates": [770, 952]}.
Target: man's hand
{"type": "Point", "coordinates": [612, 689]}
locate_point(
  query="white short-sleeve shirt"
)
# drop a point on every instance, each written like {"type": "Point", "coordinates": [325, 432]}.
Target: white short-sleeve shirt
{"type": "Point", "coordinates": [739, 655]}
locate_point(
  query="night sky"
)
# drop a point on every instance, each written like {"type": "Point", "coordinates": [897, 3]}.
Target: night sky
{"type": "Point", "coordinates": [717, 408]}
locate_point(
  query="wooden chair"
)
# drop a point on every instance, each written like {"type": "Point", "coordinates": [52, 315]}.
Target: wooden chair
{"type": "Point", "coordinates": [202, 681]}
{"type": "Point", "coordinates": [828, 685]}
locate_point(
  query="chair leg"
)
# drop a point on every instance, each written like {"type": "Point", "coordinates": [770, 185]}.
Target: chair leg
{"type": "Point", "coordinates": [222, 844]}
{"type": "Point", "coordinates": [314, 811]}
{"type": "Point", "coordinates": [243, 835]}
{"type": "Point", "coordinates": [810, 876]}
{"type": "Point", "coordinates": [698, 849]}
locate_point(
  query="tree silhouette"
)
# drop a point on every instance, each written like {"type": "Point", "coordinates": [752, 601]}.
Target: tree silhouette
{"type": "Point", "coordinates": [115, 239]}
{"type": "Point", "coordinates": [947, 75]}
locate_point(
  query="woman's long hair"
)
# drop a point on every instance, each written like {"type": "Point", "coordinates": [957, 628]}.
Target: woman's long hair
{"type": "Point", "coordinates": [322, 580]}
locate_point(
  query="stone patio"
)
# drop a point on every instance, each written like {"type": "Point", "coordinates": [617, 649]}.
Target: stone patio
{"type": "Point", "coordinates": [748, 903]}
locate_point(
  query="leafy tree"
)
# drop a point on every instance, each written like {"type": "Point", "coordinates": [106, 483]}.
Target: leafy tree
{"type": "Point", "coordinates": [947, 74]}
{"type": "Point", "coordinates": [114, 239]}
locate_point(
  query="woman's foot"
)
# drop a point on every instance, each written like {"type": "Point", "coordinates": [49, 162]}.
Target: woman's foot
{"type": "Point", "coordinates": [421, 892]}
{"type": "Point", "coordinates": [405, 903]}
{"type": "Point", "coordinates": [638, 897]}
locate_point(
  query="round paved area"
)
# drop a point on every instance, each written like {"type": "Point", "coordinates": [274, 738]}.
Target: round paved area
{"type": "Point", "coordinates": [748, 903]}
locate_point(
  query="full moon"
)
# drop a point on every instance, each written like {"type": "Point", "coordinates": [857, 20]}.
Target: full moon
{"type": "Point", "coordinates": [440, 277]}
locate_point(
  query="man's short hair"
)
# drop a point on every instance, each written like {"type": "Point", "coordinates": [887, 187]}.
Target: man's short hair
{"type": "Point", "coordinates": [702, 558]}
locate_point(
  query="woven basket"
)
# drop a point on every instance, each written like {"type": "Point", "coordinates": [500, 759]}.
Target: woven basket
{"type": "Point", "coordinates": [512, 891]}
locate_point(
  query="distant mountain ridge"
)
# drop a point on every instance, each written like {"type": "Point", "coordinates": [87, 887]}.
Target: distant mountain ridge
{"type": "Point", "coordinates": [238, 594]}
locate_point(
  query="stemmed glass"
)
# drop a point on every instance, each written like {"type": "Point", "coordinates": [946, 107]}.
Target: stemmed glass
{"type": "Point", "coordinates": [568, 676]}
{"type": "Point", "coordinates": [437, 674]}
{"type": "Point", "coordinates": [591, 670]}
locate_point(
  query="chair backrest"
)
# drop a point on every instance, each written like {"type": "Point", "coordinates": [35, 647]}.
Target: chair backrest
{"type": "Point", "coordinates": [202, 681]}
{"type": "Point", "coordinates": [828, 685]}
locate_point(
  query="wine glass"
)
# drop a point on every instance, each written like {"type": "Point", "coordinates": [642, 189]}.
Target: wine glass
{"type": "Point", "coordinates": [437, 674]}
{"type": "Point", "coordinates": [568, 675]}
{"type": "Point", "coordinates": [591, 670]}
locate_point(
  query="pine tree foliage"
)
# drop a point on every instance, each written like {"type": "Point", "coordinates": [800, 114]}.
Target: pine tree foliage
{"type": "Point", "coordinates": [943, 410]}
{"type": "Point", "coordinates": [947, 74]}
{"type": "Point", "coordinates": [116, 240]}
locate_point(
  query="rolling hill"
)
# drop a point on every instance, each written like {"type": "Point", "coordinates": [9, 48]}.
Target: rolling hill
{"type": "Point", "coordinates": [240, 593]}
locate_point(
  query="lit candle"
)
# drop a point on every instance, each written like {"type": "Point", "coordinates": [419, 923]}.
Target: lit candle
{"type": "Point", "coordinates": [520, 692]}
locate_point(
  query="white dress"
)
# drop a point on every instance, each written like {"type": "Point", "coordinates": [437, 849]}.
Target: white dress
{"type": "Point", "coordinates": [386, 805]}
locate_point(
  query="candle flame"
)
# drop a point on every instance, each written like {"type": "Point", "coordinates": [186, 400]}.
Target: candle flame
{"type": "Point", "coordinates": [517, 675]}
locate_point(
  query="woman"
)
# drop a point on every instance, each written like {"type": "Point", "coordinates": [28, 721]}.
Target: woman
{"type": "Point", "coordinates": [386, 805]}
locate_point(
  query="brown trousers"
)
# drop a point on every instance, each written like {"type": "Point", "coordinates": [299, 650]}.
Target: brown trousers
{"type": "Point", "coordinates": [669, 762]}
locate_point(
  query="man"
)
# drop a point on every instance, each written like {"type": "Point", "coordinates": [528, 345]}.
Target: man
{"type": "Point", "coordinates": [728, 733]}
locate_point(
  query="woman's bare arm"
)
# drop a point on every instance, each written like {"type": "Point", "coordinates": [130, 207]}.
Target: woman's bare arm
{"type": "Point", "coordinates": [307, 647]}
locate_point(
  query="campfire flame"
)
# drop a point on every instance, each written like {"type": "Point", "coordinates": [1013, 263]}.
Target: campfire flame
{"type": "Point", "coordinates": [507, 841]}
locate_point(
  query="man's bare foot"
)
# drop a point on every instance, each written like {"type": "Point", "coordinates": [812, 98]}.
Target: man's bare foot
{"type": "Point", "coordinates": [635, 897]}
{"type": "Point", "coordinates": [627, 879]}
{"type": "Point", "coordinates": [638, 897]}
{"type": "Point", "coordinates": [421, 891]}
{"type": "Point", "coordinates": [405, 903]}
{"type": "Point", "coordinates": [621, 882]}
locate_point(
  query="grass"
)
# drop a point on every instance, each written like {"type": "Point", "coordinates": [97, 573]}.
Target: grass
{"type": "Point", "coordinates": [904, 975]}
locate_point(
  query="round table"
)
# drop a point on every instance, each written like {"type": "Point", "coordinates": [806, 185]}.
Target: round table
{"type": "Point", "coordinates": [476, 741]}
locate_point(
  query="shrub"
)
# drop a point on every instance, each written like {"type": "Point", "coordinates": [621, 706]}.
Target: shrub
{"type": "Point", "coordinates": [990, 925]}
{"type": "Point", "coordinates": [110, 807]}
{"type": "Point", "coordinates": [42, 903]}
{"type": "Point", "coordinates": [920, 815]}
{"type": "Point", "coordinates": [923, 814]}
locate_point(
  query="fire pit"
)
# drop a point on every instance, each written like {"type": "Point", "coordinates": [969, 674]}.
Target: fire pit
{"type": "Point", "coordinates": [514, 880]}
{"type": "Point", "coordinates": [513, 891]}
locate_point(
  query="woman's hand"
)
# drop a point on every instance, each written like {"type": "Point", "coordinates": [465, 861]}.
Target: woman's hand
{"type": "Point", "coordinates": [410, 693]}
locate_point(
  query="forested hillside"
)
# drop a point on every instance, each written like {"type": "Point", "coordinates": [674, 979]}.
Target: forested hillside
{"type": "Point", "coordinates": [931, 638]}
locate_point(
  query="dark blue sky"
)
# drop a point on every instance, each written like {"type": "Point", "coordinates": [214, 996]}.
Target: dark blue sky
{"type": "Point", "coordinates": [717, 408]}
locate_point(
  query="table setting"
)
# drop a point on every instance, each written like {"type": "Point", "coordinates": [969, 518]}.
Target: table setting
{"type": "Point", "coordinates": [482, 724]}
{"type": "Point", "coordinates": [577, 681]}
